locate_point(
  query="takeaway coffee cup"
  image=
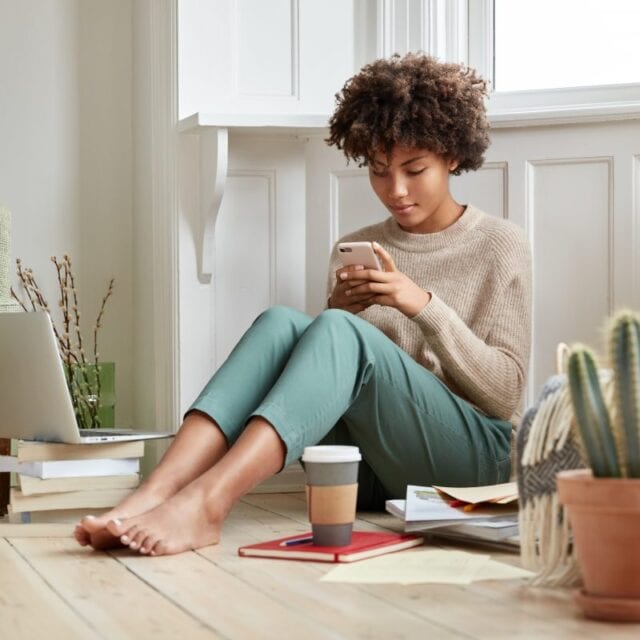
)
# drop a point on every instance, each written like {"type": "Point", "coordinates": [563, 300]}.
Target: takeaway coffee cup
{"type": "Point", "coordinates": [332, 490]}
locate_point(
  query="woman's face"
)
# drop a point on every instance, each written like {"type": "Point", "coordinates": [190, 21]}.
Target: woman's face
{"type": "Point", "coordinates": [413, 184]}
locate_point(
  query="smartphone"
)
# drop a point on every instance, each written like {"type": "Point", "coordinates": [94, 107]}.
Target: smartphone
{"type": "Point", "coordinates": [359, 253]}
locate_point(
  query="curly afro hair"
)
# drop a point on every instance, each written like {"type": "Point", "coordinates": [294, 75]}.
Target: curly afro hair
{"type": "Point", "coordinates": [414, 101]}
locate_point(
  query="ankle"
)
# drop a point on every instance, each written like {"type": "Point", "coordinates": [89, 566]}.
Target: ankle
{"type": "Point", "coordinates": [161, 487]}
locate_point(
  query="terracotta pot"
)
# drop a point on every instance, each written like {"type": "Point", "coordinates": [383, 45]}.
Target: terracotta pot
{"type": "Point", "coordinates": [604, 514]}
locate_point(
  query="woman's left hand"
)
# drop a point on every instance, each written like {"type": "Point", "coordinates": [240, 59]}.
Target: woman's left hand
{"type": "Point", "coordinates": [390, 288]}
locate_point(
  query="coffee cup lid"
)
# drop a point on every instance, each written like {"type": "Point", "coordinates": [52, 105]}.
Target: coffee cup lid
{"type": "Point", "coordinates": [331, 453]}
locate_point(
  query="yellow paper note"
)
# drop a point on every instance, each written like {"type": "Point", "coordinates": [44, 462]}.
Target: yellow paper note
{"type": "Point", "coordinates": [494, 570]}
{"type": "Point", "coordinates": [412, 567]}
{"type": "Point", "coordinates": [505, 492]}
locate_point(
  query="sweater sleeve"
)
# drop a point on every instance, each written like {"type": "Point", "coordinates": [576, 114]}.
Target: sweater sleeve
{"type": "Point", "coordinates": [491, 372]}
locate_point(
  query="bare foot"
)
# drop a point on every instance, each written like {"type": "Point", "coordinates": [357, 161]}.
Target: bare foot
{"type": "Point", "coordinates": [92, 530]}
{"type": "Point", "coordinates": [182, 523]}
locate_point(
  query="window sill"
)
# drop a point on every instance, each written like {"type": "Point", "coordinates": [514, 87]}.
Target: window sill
{"type": "Point", "coordinates": [565, 114]}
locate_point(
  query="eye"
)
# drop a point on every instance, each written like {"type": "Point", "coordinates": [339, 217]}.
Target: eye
{"type": "Point", "coordinates": [379, 174]}
{"type": "Point", "coordinates": [416, 172]}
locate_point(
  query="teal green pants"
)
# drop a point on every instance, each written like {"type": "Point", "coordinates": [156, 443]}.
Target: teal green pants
{"type": "Point", "coordinates": [338, 379]}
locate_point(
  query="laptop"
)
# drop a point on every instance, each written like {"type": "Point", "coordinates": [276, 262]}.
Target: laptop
{"type": "Point", "coordinates": [35, 403]}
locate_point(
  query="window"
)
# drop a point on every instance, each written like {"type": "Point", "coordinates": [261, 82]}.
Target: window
{"type": "Point", "coordinates": [548, 44]}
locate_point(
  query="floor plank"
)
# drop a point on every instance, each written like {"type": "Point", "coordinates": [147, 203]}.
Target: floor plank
{"type": "Point", "coordinates": [106, 595]}
{"type": "Point", "coordinates": [36, 530]}
{"type": "Point", "coordinates": [219, 598]}
{"type": "Point", "coordinates": [486, 609]}
{"type": "Point", "coordinates": [348, 610]}
{"type": "Point", "coordinates": [50, 587]}
{"type": "Point", "coordinates": [22, 593]}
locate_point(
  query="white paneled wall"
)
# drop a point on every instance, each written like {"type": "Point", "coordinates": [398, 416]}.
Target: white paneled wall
{"type": "Point", "coordinates": [573, 187]}
{"type": "Point", "coordinates": [259, 250]}
{"type": "Point", "coordinates": [487, 188]}
{"type": "Point", "coordinates": [280, 56]}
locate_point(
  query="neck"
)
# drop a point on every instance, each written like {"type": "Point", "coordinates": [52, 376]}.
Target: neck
{"type": "Point", "coordinates": [444, 216]}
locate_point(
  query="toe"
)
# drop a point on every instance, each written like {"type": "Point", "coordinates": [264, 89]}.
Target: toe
{"type": "Point", "coordinates": [136, 541]}
{"type": "Point", "coordinates": [104, 540]}
{"type": "Point", "coordinates": [157, 549]}
{"type": "Point", "coordinates": [148, 543]}
{"type": "Point", "coordinates": [119, 527]}
{"type": "Point", "coordinates": [91, 524]}
{"type": "Point", "coordinates": [81, 536]}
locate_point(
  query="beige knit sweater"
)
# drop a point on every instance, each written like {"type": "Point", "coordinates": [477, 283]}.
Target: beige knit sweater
{"type": "Point", "coordinates": [475, 333]}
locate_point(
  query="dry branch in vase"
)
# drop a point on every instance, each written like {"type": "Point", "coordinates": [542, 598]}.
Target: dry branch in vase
{"type": "Point", "coordinates": [84, 388]}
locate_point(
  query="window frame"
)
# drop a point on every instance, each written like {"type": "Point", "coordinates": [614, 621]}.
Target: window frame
{"type": "Point", "coordinates": [541, 106]}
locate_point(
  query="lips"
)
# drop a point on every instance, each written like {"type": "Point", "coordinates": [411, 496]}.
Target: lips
{"type": "Point", "coordinates": [402, 208]}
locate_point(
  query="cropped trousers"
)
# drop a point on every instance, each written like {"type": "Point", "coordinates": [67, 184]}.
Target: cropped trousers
{"type": "Point", "coordinates": [337, 379]}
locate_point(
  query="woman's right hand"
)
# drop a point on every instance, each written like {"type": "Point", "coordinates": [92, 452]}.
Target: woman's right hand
{"type": "Point", "coordinates": [339, 300]}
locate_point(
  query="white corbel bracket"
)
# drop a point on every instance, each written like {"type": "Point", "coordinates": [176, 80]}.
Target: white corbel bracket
{"type": "Point", "coordinates": [214, 161]}
{"type": "Point", "coordinates": [213, 131]}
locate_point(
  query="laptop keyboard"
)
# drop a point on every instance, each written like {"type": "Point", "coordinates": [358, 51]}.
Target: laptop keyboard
{"type": "Point", "coordinates": [109, 432]}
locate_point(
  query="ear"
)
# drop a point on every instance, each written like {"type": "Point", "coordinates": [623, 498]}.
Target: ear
{"type": "Point", "coordinates": [453, 165]}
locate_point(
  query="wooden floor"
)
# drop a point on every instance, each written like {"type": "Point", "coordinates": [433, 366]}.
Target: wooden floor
{"type": "Point", "coordinates": [51, 588]}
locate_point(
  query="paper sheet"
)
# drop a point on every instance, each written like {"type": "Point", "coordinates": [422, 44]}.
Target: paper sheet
{"type": "Point", "coordinates": [424, 566]}
{"type": "Point", "coordinates": [500, 571]}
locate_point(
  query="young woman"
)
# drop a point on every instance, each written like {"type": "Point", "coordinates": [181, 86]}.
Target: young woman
{"type": "Point", "coordinates": [422, 364]}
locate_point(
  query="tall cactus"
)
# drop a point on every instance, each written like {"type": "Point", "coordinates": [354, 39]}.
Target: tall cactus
{"type": "Point", "coordinates": [610, 428]}
{"type": "Point", "coordinates": [592, 414]}
{"type": "Point", "coordinates": [6, 303]}
{"type": "Point", "coordinates": [624, 349]}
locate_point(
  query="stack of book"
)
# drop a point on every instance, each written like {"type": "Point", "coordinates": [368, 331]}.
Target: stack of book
{"type": "Point", "coordinates": [62, 482]}
{"type": "Point", "coordinates": [480, 514]}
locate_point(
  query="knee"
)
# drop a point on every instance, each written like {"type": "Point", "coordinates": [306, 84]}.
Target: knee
{"type": "Point", "coordinates": [280, 316]}
{"type": "Point", "coordinates": [339, 323]}
{"type": "Point", "coordinates": [337, 318]}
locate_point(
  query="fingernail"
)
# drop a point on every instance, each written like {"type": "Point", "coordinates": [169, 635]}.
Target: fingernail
{"type": "Point", "coordinates": [117, 522]}
{"type": "Point", "coordinates": [359, 267]}
{"type": "Point", "coordinates": [124, 539]}
{"type": "Point", "coordinates": [343, 276]}
{"type": "Point", "coordinates": [90, 517]}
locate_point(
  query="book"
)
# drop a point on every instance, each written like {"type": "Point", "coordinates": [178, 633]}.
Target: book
{"type": "Point", "coordinates": [34, 451]}
{"type": "Point", "coordinates": [364, 544]}
{"type": "Point", "coordinates": [492, 529]}
{"type": "Point", "coordinates": [57, 516]}
{"type": "Point", "coordinates": [66, 500]}
{"type": "Point", "coordinates": [70, 468]}
{"type": "Point", "coordinates": [30, 485]}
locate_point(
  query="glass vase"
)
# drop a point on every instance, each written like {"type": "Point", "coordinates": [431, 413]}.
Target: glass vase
{"type": "Point", "coordinates": [94, 394]}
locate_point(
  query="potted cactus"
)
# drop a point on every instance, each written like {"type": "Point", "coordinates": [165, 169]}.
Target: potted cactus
{"type": "Point", "coordinates": [603, 503]}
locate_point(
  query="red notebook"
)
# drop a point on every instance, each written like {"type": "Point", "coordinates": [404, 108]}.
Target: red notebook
{"type": "Point", "coordinates": [364, 544]}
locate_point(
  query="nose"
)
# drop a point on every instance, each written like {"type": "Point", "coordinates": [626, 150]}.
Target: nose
{"type": "Point", "coordinates": [397, 187]}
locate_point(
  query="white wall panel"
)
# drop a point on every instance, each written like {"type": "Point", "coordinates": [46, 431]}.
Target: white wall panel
{"type": "Point", "coordinates": [571, 217]}
{"type": "Point", "coordinates": [259, 250]}
{"type": "Point", "coordinates": [266, 47]}
{"type": "Point", "coordinates": [486, 188]}
{"type": "Point", "coordinates": [244, 277]}
{"type": "Point", "coordinates": [275, 56]}
{"type": "Point", "coordinates": [353, 203]}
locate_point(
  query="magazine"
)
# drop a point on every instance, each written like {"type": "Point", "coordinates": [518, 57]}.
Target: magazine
{"type": "Point", "coordinates": [430, 510]}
